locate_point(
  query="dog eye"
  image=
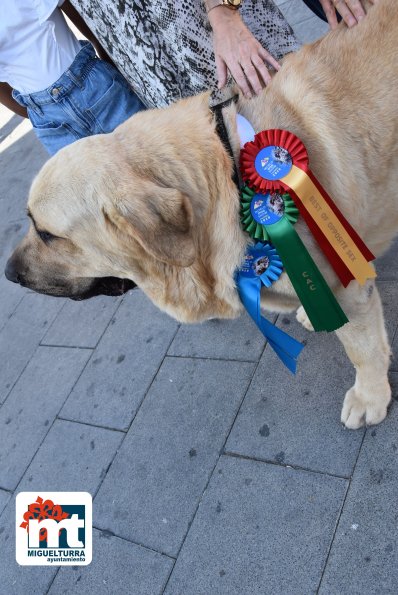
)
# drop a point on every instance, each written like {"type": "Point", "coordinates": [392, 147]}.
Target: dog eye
{"type": "Point", "coordinates": [46, 236]}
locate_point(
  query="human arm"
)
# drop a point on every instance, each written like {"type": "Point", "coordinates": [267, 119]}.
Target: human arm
{"type": "Point", "coordinates": [352, 11]}
{"type": "Point", "coordinates": [7, 99]}
{"type": "Point", "coordinates": [238, 51]}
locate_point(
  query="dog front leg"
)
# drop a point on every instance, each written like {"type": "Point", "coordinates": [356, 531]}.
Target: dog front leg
{"type": "Point", "coordinates": [365, 340]}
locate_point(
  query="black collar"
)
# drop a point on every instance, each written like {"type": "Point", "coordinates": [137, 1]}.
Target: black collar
{"type": "Point", "coordinates": [222, 132]}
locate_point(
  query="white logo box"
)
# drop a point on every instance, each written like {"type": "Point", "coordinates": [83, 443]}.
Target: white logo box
{"type": "Point", "coordinates": [73, 547]}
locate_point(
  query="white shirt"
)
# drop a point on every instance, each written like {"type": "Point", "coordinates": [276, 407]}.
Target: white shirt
{"type": "Point", "coordinates": [36, 44]}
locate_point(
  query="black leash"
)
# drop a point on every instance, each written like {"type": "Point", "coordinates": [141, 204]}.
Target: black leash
{"type": "Point", "coordinates": [221, 130]}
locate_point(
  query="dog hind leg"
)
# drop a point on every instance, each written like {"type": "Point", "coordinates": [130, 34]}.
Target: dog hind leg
{"type": "Point", "coordinates": [365, 341]}
{"type": "Point", "coordinates": [302, 318]}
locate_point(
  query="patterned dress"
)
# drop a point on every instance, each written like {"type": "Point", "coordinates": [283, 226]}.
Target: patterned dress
{"type": "Point", "coordinates": [164, 47]}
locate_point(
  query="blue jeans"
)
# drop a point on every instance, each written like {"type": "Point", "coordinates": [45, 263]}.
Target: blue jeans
{"type": "Point", "coordinates": [91, 97]}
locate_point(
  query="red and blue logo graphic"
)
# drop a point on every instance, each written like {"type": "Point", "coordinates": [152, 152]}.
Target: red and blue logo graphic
{"type": "Point", "coordinates": [54, 528]}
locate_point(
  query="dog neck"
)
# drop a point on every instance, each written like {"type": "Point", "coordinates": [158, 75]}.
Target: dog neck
{"type": "Point", "coordinates": [195, 163]}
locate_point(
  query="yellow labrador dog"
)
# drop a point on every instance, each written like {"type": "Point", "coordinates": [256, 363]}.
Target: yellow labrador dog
{"type": "Point", "coordinates": [154, 202]}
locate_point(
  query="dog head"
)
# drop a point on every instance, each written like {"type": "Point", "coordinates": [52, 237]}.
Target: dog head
{"type": "Point", "coordinates": [135, 207]}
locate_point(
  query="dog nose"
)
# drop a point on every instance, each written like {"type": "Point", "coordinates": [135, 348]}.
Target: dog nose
{"type": "Point", "coordinates": [11, 272]}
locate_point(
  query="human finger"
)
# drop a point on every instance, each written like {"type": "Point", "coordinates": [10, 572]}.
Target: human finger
{"type": "Point", "coordinates": [330, 13]}
{"type": "Point", "coordinates": [345, 12]}
{"type": "Point", "coordinates": [251, 74]}
{"type": "Point", "coordinates": [222, 72]}
{"type": "Point", "coordinates": [267, 57]}
{"type": "Point", "coordinates": [357, 9]}
{"type": "Point", "coordinates": [261, 69]}
{"type": "Point", "coordinates": [240, 79]}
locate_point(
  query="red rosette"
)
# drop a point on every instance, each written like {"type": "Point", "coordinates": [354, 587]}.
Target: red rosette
{"type": "Point", "coordinates": [274, 137]}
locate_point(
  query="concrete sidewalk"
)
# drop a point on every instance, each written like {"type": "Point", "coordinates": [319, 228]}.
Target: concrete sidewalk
{"type": "Point", "coordinates": [213, 470]}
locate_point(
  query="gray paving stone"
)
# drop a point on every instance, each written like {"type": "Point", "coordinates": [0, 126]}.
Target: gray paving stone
{"type": "Point", "coordinates": [81, 324]}
{"type": "Point", "coordinates": [8, 123]}
{"type": "Point", "coordinates": [4, 498]}
{"type": "Point", "coordinates": [19, 163]}
{"type": "Point", "coordinates": [123, 365]}
{"type": "Point", "coordinates": [73, 457]}
{"type": "Point", "coordinates": [306, 25]}
{"type": "Point", "coordinates": [9, 212]}
{"type": "Point", "coordinates": [20, 159]}
{"type": "Point", "coordinates": [11, 296]}
{"type": "Point", "coordinates": [117, 567]}
{"type": "Point", "coordinates": [154, 485]}
{"type": "Point", "coordinates": [295, 12]}
{"type": "Point", "coordinates": [12, 210]}
{"type": "Point", "coordinates": [387, 275]}
{"type": "Point", "coordinates": [260, 529]}
{"type": "Point", "coordinates": [394, 349]}
{"type": "Point", "coordinates": [10, 235]}
{"type": "Point", "coordinates": [388, 293]}
{"type": "Point", "coordinates": [364, 555]}
{"type": "Point", "coordinates": [237, 339]}
{"type": "Point", "coordinates": [386, 265]}
{"type": "Point", "coordinates": [31, 408]}
{"type": "Point", "coordinates": [21, 335]}
{"type": "Point", "coordinates": [394, 385]}
{"type": "Point", "coordinates": [295, 420]}
{"type": "Point", "coordinates": [310, 30]}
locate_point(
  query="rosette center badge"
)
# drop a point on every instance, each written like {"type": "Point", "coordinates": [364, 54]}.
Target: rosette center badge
{"type": "Point", "coordinates": [273, 162]}
{"type": "Point", "coordinates": [267, 209]}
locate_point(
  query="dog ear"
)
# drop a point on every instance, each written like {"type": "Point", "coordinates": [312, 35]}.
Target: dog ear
{"type": "Point", "coordinates": [161, 223]}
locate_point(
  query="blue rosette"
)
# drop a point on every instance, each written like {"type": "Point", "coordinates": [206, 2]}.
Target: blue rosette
{"type": "Point", "coordinates": [262, 267]}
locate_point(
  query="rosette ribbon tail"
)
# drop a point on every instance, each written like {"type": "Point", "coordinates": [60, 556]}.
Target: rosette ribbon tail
{"type": "Point", "coordinates": [345, 250]}
{"type": "Point", "coordinates": [318, 300]}
{"type": "Point", "coordinates": [287, 348]}
{"type": "Point", "coordinates": [262, 223]}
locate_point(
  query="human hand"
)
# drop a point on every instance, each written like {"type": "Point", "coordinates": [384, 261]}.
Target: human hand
{"type": "Point", "coordinates": [238, 51]}
{"type": "Point", "coordinates": [351, 11]}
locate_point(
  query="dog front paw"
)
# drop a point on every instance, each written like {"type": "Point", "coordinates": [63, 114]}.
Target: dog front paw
{"type": "Point", "coordinates": [303, 319]}
{"type": "Point", "coordinates": [360, 410]}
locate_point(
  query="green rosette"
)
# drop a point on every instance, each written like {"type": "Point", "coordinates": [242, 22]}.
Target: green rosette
{"type": "Point", "coordinates": [271, 217]}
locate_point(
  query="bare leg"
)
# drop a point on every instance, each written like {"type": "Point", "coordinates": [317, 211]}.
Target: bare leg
{"type": "Point", "coordinates": [365, 340]}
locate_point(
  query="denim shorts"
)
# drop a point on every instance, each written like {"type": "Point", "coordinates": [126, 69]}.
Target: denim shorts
{"type": "Point", "coordinates": [91, 97]}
